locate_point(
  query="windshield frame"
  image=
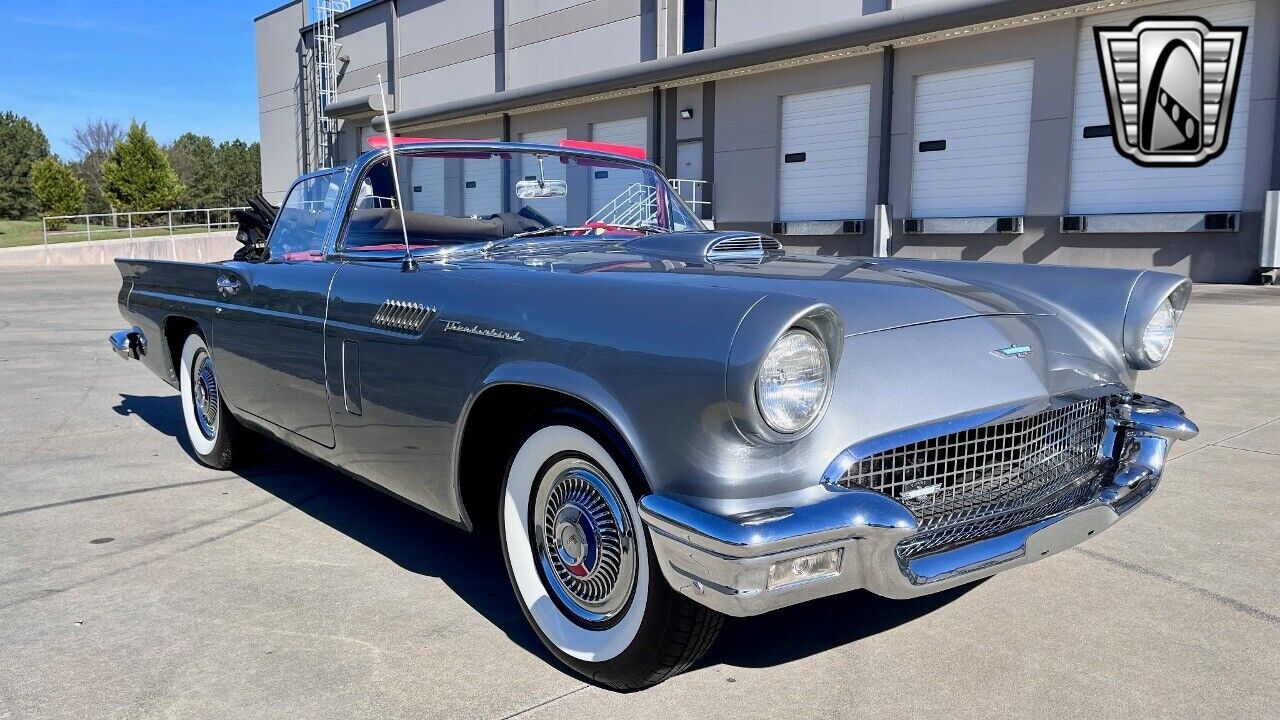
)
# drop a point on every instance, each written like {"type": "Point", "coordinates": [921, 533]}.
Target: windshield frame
{"type": "Point", "coordinates": [360, 168]}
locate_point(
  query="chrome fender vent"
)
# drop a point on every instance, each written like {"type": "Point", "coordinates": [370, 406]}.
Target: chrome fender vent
{"type": "Point", "coordinates": [740, 248]}
{"type": "Point", "coordinates": [403, 316]}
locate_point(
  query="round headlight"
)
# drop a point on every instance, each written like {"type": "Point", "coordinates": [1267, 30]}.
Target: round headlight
{"type": "Point", "coordinates": [792, 385]}
{"type": "Point", "coordinates": [1157, 337]}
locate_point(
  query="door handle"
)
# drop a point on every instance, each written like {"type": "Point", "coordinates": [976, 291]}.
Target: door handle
{"type": "Point", "coordinates": [227, 285]}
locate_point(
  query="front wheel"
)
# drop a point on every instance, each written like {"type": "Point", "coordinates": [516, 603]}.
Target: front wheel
{"type": "Point", "coordinates": [581, 565]}
{"type": "Point", "coordinates": [215, 436]}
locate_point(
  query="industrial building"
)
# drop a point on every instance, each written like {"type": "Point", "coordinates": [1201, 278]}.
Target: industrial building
{"type": "Point", "coordinates": [967, 129]}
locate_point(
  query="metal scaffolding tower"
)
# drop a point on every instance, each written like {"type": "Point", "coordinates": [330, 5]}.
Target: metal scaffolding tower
{"type": "Point", "coordinates": [324, 76]}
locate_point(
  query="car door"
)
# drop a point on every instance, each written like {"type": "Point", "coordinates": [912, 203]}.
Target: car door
{"type": "Point", "coordinates": [268, 326]}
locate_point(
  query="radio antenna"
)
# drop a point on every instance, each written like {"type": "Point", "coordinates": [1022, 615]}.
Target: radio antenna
{"type": "Point", "coordinates": [408, 264]}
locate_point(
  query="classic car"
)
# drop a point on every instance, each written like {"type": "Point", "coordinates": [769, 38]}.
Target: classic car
{"type": "Point", "coordinates": [665, 425]}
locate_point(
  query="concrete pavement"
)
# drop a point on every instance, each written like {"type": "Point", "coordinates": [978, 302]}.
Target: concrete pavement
{"type": "Point", "coordinates": [136, 583]}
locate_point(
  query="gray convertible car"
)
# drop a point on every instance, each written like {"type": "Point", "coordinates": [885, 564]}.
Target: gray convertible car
{"type": "Point", "coordinates": [665, 425]}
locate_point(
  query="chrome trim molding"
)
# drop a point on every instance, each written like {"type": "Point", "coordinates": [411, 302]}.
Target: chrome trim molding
{"type": "Point", "coordinates": [743, 247]}
{"type": "Point", "coordinates": [723, 562]}
{"type": "Point", "coordinates": [129, 344]}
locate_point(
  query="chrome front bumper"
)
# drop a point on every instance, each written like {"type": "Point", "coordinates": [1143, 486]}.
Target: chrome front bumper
{"type": "Point", "coordinates": [724, 562]}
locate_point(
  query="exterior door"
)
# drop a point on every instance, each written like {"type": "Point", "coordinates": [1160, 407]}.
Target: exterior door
{"type": "Point", "coordinates": [972, 134]}
{"type": "Point", "coordinates": [823, 165]}
{"type": "Point", "coordinates": [606, 186]}
{"type": "Point", "coordinates": [268, 328]}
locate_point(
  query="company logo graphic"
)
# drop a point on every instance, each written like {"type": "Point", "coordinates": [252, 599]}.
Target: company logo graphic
{"type": "Point", "coordinates": [1171, 87]}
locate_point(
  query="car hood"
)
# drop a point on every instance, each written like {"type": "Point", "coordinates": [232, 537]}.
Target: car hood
{"type": "Point", "coordinates": [868, 296]}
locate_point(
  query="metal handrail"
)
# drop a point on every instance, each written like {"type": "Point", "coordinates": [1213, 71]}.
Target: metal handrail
{"type": "Point", "coordinates": [694, 194]}
{"type": "Point", "coordinates": [139, 222]}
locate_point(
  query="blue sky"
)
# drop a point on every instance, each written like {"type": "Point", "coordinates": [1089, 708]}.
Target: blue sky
{"type": "Point", "coordinates": [179, 65]}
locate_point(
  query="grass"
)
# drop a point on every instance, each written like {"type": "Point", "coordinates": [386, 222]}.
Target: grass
{"type": "Point", "coordinates": [16, 233]}
{"type": "Point", "coordinates": [20, 232]}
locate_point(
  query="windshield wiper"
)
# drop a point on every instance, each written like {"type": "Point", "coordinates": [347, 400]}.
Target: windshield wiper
{"type": "Point", "coordinates": [548, 230]}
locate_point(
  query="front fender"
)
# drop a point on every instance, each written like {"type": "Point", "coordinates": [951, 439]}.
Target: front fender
{"type": "Point", "coordinates": [548, 376]}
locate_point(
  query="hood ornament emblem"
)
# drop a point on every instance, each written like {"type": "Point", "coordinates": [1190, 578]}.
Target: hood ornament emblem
{"type": "Point", "coordinates": [1019, 351]}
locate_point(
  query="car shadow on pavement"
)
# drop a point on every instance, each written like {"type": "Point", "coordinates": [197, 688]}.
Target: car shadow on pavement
{"type": "Point", "coordinates": [471, 564]}
{"type": "Point", "coordinates": [809, 628]}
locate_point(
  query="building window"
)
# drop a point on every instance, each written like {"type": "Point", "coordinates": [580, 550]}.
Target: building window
{"type": "Point", "coordinates": [692, 24]}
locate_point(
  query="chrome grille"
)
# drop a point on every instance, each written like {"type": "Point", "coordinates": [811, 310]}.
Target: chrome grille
{"type": "Point", "coordinates": [985, 480]}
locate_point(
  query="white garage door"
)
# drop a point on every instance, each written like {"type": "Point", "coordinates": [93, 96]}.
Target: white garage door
{"type": "Point", "coordinates": [606, 184]}
{"type": "Point", "coordinates": [482, 186]}
{"type": "Point", "coordinates": [1103, 181]}
{"type": "Point", "coordinates": [556, 209]}
{"type": "Point", "coordinates": [426, 184]}
{"type": "Point", "coordinates": [823, 162]}
{"type": "Point", "coordinates": [969, 151]}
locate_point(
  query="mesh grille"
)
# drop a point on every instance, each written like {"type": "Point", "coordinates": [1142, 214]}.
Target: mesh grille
{"type": "Point", "coordinates": [980, 482]}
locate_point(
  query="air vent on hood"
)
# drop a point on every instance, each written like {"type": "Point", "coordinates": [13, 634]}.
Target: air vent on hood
{"type": "Point", "coordinates": [743, 247]}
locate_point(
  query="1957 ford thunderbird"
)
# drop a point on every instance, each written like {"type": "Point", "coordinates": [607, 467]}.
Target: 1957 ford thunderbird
{"type": "Point", "coordinates": [665, 425]}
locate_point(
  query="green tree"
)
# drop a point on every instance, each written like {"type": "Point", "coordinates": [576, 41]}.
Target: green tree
{"type": "Point", "coordinates": [239, 171]}
{"type": "Point", "coordinates": [193, 158]}
{"type": "Point", "coordinates": [56, 188]}
{"type": "Point", "coordinates": [137, 175]}
{"type": "Point", "coordinates": [22, 142]}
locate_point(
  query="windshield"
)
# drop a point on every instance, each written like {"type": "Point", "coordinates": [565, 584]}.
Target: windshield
{"type": "Point", "coordinates": [458, 197]}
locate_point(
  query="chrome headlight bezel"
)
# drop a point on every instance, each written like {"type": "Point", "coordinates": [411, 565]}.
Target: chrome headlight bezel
{"type": "Point", "coordinates": [1149, 317]}
{"type": "Point", "coordinates": [763, 325]}
{"type": "Point", "coordinates": [795, 339]}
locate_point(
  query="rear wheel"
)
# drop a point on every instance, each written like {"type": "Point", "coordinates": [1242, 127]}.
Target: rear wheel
{"type": "Point", "coordinates": [215, 436]}
{"type": "Point", "coordinates": [581, 564]}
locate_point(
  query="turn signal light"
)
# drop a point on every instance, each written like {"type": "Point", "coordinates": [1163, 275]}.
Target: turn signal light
{"type": "Point", "coordinates": [807, 567]}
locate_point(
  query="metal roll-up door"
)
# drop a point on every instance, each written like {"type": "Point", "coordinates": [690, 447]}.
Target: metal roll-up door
{"type": "Point", "coordinates": [482, 185]}
{"type": "Point", "coordinates": [556, 209]}
{"type": "Point", "coordinates": [969, 149]}
{"type": "Point", "coordinates": [607, 184]}
{"type": "Point", "coordinates": [823, 154]}
{"type": "Point", "coordinates": [1104, 182]}
{"type": "Point", "coordinates": [426, 185]}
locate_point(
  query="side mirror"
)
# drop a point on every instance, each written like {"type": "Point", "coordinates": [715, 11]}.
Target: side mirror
{"type": "Point", "coordinates": [541, 189]}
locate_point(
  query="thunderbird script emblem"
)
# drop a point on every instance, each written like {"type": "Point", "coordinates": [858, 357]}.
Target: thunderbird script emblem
{"type": "Point", "coordinates": [1171, 88]}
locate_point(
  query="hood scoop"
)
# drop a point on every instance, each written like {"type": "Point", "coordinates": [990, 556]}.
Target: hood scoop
{"type": "Point", "coordinates": [743, 248]}
{"type": "Point", "coordinates": [709, 247]}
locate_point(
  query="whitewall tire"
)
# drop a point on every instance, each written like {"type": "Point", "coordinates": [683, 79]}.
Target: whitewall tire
{"type": "Point", "coordinates": [214, 435]}
{"type": "Point", "coordinates": [579, 559]}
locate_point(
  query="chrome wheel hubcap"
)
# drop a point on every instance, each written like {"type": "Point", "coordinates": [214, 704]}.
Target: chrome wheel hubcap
{"type": "Point", "coordinates": [204, 389]}
{"type": "Point", "coordinates": [585, 541]}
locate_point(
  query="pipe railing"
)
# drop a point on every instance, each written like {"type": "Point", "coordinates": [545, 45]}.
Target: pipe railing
{"type": "Point", "coordinates": [694, 194]}
{"type": "Point", "coordinates": [138, 224]}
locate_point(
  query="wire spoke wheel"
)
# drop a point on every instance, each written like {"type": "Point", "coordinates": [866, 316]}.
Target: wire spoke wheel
{"type": "Point", "coordinates": [205, 395]}
{"type": "Point", "coordinates": [584, 541]}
